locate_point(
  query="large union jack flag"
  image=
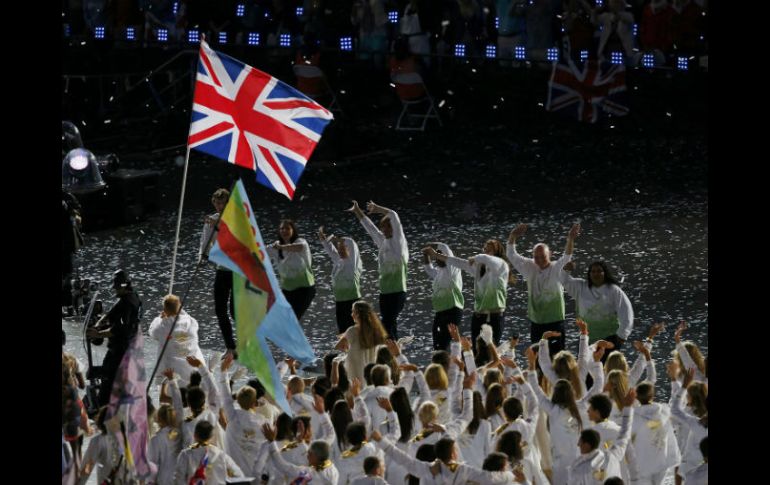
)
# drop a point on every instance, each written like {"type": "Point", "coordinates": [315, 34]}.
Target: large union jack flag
{"type": "Point", "coordinates": [251, 119]}
{"type": "Point", "coordinates": [585, 91]}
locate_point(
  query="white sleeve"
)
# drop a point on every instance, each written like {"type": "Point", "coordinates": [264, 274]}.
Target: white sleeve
{"type": "Point", "coordinates": [282, 465]}
{"type": "Point", "coordinates": [523, 265]}
{"type": "Point", "coordinates": [176, 402]}
{"type": "Point", "coordinates": [532, 411]}
{"type": "Point", "coordinates": [398, 229]}
{"type": "Point", "coordinates": [542, 399]}
{"type": "Point", "coordinates": [459, 423]}
{"type": "Point", "coordinates": [561, 262]}
{"type": "Point", "coordinates": [373, 232]}
{"type": "Point", "coordinates": [227, 398]}
{"type": "Point", "coordinates": [361, 412]}
{"type": "Point", "coordinates": [180, 473]}
{"type": "Point", "coordinates": [394, 427]}
{"type": "Point", "coordinates": [422, 387]}
{"type": "Point", "coordinates": [326, 431]}
{"type": "Point", "coordinates": [213, 398]}
{"type": "Point", "coordinates": [573, 286]}
{"type": "Point", "coordinates": [597, 373]}
{"type": "Point", "coordinates": [635, 374]}
{"type": "Point", "coordinates": [544, 359]}
{"type": "Point", "coordinates": [430, 270]}
{"type": "Point", "coordinates": [232, 468]}
{"type": "Point", "coordinates": [330, 250]}
{"type": "Point", "coordinates": [688, 362]}
{"type": "Point", "coordinates": [618, 448]}
{"type": "Point", "coordinates": [412, 465]}
{"type": "Point", "coordinates": [463, 264]}
{"type": "Point", "coordinates": [625, 314]}
{"type": "Point", "coordinates": [678, 412]}
{"type": "Point", "coordinates": [272, 252]}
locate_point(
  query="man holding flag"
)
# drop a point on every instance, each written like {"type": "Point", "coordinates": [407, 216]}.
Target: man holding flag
{"type": "Point", "coordinates": [261, 309]}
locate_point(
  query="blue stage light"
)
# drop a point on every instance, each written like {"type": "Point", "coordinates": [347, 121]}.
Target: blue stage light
{"type": "Point", "coordinates": [682, 63]}
{"type": "Point", "coordinates": [346, 43]}
{"type": "Point", "coordinates": [285, 40]}
{"type": "Point", "coordinates": [223, 37]}
{"type": "Point", "coordinates": [491, 51]}
{"type": "Point", "coordinates": [240, 10]}
{"type": "Point", "coordinates": [253, 38]}
{"type": "Point", "coordinates": [459, 50]}
{"type": "Point", "coordinates": [161, 35]}
{"type": "Point", "coordinates": [616, 57]}
{"type": "Point", "coordinates": [648, 60]}
{"type": "Point", "coordinates": [393, 16]}
{"type": "Point", "coordinates": [130, 33]}
{"type": "Point", "coordinates": [99, 33]}
{"type": "Point", "coordinates": [193, 36]}
{"type": "Point", "coordinates": [520, 52]}
{"type": "Point", "coordinates": [583, 55]}
{"type": "Point", "coordinates": [552, 54]}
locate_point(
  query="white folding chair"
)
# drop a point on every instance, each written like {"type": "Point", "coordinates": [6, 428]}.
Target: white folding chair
{"type": "Point", "coordinates": [413, 78]}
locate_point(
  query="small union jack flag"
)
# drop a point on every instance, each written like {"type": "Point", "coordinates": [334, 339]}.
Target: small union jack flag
{"type": "Point", "coordinates": [251, 119]}
{"type": "Point", "coordinates": [584, 91]}
{"type": "Point", "coordinates": [199, 477]}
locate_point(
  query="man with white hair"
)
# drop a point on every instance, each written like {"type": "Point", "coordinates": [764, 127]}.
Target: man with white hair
{"type": "Point", "coordinates": [545, 293]}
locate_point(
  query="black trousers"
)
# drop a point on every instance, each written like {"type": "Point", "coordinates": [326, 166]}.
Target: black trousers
{"type": "Point", "coordinates": [441, 321]}
{"type": "Point", "coordinates": [494, 320]}
{"type": "Point", "coordinates": [109, 369]}
{"type": "Point", "coordinates": [300, 299]}
{"type": "Point", "coordinates": [223, 299]}
{"type": "Point", "coordinates": [391, 305]}
{"type": "Point", "coordinates": [556, 344]}
{"type": "Point", "coordinates": [344, 315]}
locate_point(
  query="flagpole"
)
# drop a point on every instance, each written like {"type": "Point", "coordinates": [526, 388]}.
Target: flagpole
{"type": "Point", "coordinates": [184, 186]}
{"type": "Point", "coordinates": [179, 219]}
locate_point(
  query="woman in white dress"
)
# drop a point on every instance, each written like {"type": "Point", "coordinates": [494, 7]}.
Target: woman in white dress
{"type": "Point", "coordinates": [361, 340]}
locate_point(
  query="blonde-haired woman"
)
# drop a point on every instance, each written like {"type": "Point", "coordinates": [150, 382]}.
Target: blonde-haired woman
{"type": "Point", "coordinates": [182, 341]}
{"type": "Point", "coordinates": [361, 340]}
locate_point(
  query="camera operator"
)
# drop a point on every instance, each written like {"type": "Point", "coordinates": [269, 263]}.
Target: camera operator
{"type": "Point", "coordinates": [123, 323]}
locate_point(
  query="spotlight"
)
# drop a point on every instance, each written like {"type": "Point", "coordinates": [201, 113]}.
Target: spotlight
{"type": "Point", "coordinates": [346, 43]}
{"type": "Point", "coordinates": [491, 51]}
{"type": "Point", "coordinates": [459, 50]}
{"type": "Point", "coordinates": [99, 33]}
{"type": "Point", "coordinates": [193, 36]}
{"type": "Point", "coordinates": [253, 38]}
{"type": "Point", "coordinates": [552, 54]}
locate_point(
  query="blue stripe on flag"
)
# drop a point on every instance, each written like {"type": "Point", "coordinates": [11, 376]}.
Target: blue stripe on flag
{"type": "Point", "coordinates": [197, 116]}
{"type": "Point", "coordinates": [282, 90]}
{"type": "Point", "coordinates": [292, 167]}
{"type": "Point", "coordinates": [201, 68]}
{"type": "Point", "coordinates": [315, 124]}
{"type": "Point", "coordinates": [218, 147]}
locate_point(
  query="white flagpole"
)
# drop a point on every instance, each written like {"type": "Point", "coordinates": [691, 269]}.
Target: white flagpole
{"type": "Point", "coordinates": [179, 220]}
{"type": "Point", "coordinates": [181, 198]}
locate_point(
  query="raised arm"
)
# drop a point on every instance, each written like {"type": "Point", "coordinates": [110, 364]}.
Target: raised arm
{"type": "Point", "coordinates": [427, 263]}
{"type": "Point", "coordinates": [413, 466]}
{"type": "Point", "coordinates": [176, 397]}
{"type": "Point", "coordinates": [225, 391]}
{"type": "Point", "coordinates": [618, 448]}
{"type": "Point", "coordinates": [518, 261]}
{"type": "Point", "coordinates": [369, 226]}
{"type": "Point", "coordinates": [326, 242]}
{"type": "Point", "coordinates": [544, 356]}
{"type": "Point", "coordinates": [395, 221]}
{"type": "Point", "coordinates": [574, 232]}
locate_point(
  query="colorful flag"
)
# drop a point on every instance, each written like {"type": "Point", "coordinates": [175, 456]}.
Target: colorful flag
{"type": "Point", "coordinates": [128, 391]}
{"type": "Point", "coordinates": [588, 90]}
{"type": "Point", "coordinates": [199, 477]}
{"type": "Point", "coordinates": [253, 120]}
{"type": "Point", "coordinates": [261, 309]}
